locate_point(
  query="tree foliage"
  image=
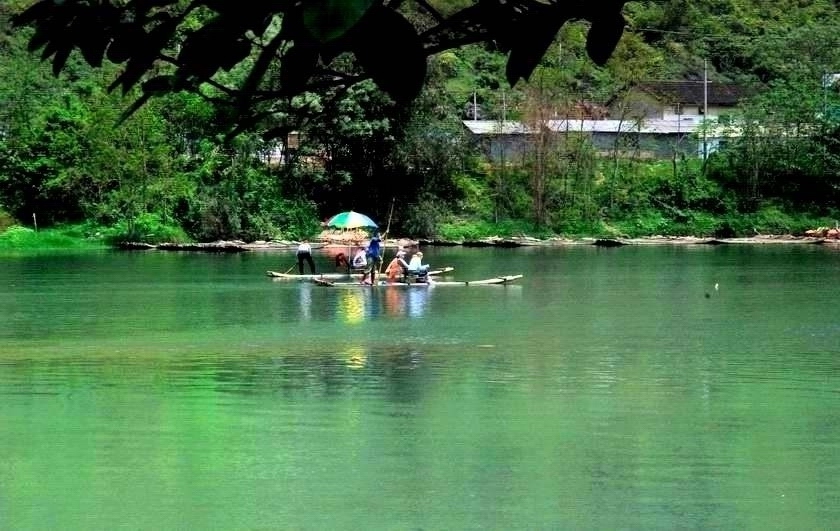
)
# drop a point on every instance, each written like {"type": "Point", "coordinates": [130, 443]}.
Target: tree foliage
{"type": "Point", "coordinates": [287, 48]}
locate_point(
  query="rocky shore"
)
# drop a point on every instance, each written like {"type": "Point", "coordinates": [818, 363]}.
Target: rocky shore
{"type": "Point", "coordinates": [522, 241]}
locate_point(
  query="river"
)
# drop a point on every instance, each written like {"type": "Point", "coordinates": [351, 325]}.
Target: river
{"type": "Point", "coordinates": [644, 387]}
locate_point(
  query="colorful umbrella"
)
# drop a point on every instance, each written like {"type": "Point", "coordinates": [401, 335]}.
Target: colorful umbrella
{"type": "Point", "coordinates": [351, 220]}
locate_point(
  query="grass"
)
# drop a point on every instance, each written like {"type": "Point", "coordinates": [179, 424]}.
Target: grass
{"type": "Point", "coordinates": [88, 235]}
{"type": "Point", "coordinates": [17, 237]}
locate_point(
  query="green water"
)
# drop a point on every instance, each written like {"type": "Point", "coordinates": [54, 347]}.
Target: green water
{"type": "Point", "coordinates": [609, 389]}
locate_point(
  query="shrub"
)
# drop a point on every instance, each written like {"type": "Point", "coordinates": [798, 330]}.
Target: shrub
{"type": "Point", "coordinates": [460, 230]}
{"type": "Point", "coordinates": [424, 215]}
{"type": "Point", "coordinates": [147, 228]}
{"type": "Point", "coordinates": [6, 220]}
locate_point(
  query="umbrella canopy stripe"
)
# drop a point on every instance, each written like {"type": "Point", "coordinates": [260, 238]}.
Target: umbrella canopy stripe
{"type": "Point", "coordinates": [351, 220]}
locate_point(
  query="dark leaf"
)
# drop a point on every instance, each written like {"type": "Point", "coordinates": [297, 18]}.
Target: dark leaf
{"type": "Point", "coordinates": [260, 26]}
{"type": "Point", "coordinates": [498, 19]}
{"type": "Point", "coordinates": [219, 6]}
{"type": "Point", "coordinates": [401, 76]}
{"type": "Point", "coordinates": [128, 113]}
{"type": "Point", "coordinates": [276, 132]}
{"type": "Point", "coordinates": [93, 52]}
{"type": "Point", "coordinates": [183, 81]}
{"type": "Point", "coordinates": [533, 37]}
{"type": "Point", "coordinates": [214, 46]}
{"type": "Point", "coordinates": [143, 60]}
{"type": "Point", "coordinates": [246, 123]}
{"type": "Point", "coordinates": [160, 16]}
{"type": "Point", "coordinates": [92, 44]}
{"type": "Point", "coordinates": [135, 69]}
{"type": "Point", "coordinates": [145, 5]}
{"type": "Point", "coordinates": [330, 51]}
{"type": "Point", "coordinates": [49, 49]}
{"type": "Point", "coordinates": [292, 27]}
{"type": "Point", "coordinates": [194, 47]}
{"type": "Point", "coordinates": [256, 18]}
{"type": "Point", "coordinates": [603, 37]}
{"type": "Point", "coordinates": [329, 19]}
{"type": "Point", "coordinates": [158, 85]}
{"type": "Point", "coordinates": [128, 40]}
{"type": "Point", "coordinates": [38, 11]}
{"type": "Point", "coordinates": [267, 55]}
{"type": "Point", "coordinates": [234, 53]}
{"type": "Point", "coordinates": [92, 31]}
{"type": "Point", "coordinates": [43, 34]}
{"type": "Point", "coordinates": [297, 66]}
{"type": "Point", "coordinates": [60, 59]}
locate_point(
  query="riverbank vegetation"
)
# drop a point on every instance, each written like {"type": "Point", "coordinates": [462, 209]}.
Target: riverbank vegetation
{"type": "Point", "coordinates": [23, 238]}
{"type": "Point", "coordinates": [171, 173]}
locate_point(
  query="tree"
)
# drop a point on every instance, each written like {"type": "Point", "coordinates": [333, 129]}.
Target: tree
{"type": "Point", "coordinates": [280, 50]}
{"type": "Point", "coordinates": [787, 148]}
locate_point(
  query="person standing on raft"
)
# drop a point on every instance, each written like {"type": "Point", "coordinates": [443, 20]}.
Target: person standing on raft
{"type": "Point", "coordinates": [304, 253]}
{"type": "Point", "coordinates": [374, 258]}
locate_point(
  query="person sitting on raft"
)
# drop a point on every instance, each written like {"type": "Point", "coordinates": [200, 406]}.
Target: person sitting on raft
{"type": "Point", "coordinates": [416, 265]}
{"type": "Point", "coordinates": [341, 261]}
{"type": "Point", "coordinates": [359, 259]}
{"type": "Point", "coordinates": [397, 267]}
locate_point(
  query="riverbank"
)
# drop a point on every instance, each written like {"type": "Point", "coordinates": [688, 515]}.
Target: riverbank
{"type": "Point", "coordinates": [524, 241]}
{"type": "Point", "coordinates": [334, 242]}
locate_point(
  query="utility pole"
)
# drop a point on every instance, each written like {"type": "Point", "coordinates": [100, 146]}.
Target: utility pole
{"type": "Point", "coordinates": [475, 107]}
{"type": "Point", "coordinates": [705, 105]}
{"type": "Point", "coordinates": [825, 80]}
{"type": "Point", "coordinates": [500, 179]}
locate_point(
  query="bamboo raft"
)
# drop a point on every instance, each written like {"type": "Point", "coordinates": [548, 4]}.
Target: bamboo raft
{"type": "Point", "coordinates": [340, 276]}
{"type": "Point", "coordinates": [494, 281]}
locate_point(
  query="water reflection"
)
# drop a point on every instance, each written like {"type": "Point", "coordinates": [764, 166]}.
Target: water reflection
{"type": "Point", "coordinates": [351, 306]}
{"type": "Point", "coordinates": [394, 302]}
{"type": "Point", "coordinates": [356, 357]}
{"type": "Point", "coordinates": [355, 306]}
{"type": "Point", "coordinates": [418, 299]}
{"type": "Point", "coordinates": [305, 295]}
{"type": "Point", "coordinates": [412, 302]}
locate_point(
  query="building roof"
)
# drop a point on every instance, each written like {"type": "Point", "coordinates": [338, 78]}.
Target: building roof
{"type": "Point", "coordinates": [495, 127]}
{"type": "Point", "coordinates": [691, 92]}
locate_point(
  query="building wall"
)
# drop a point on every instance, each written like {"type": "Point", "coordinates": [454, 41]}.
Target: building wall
{"type": "Point", "coordinates": [669, 112]}
{"type": "Point", "coordinates": [640, 105]}
{"type": "Point", "coordinates": [516, 149]}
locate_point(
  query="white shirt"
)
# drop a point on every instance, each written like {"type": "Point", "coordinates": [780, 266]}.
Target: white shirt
{"type": "Point", "coordinates": [416, 263]}
{"type": "Point", "coordinates": [359, 260]}
{"type": "Point", "coordinates": [304, 247]}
